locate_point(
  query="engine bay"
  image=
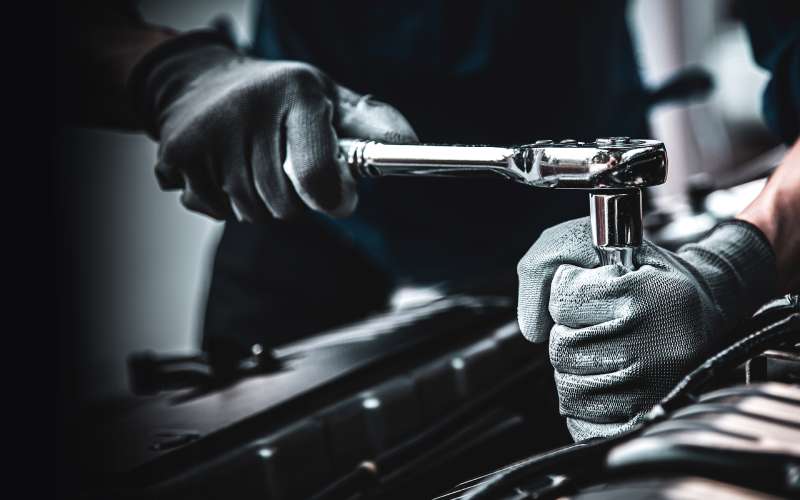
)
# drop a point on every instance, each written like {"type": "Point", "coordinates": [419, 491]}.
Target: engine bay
{"type": "Point", "coordinates": [446, 400]}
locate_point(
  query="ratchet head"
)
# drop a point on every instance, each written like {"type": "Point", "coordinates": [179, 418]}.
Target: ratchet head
{"type": "Point", "coordinates": [605, 164]}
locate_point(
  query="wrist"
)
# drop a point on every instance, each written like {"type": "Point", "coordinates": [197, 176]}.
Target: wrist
{"type": "Point", "coordinates": [775, 212]}
{"type": "Point", "coordinates": [165, 71]}
{"type": "Point", "coordinates": [737, 264]}
{"type": "Point", "coordinates": [762, 214]}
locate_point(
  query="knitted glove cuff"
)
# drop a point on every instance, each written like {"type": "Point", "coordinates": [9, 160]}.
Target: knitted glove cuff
{"type": "Point", "coordinates": [745, 274]}
{"type": "Point", "coordinates": [160, 75]}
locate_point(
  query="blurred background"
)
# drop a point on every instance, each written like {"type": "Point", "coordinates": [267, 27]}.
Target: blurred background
{"type": "Point", "coordinates": [143, 260]}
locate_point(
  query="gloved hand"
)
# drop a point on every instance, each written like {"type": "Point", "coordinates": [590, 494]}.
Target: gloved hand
{"type": "Point", "coordinates": [621, 339]}
{"type": "Point", "coordinates": [252, 137]}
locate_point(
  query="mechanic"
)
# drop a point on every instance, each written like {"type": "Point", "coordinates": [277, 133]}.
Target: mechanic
{"type": "Point", "coordinates": [251, 139]}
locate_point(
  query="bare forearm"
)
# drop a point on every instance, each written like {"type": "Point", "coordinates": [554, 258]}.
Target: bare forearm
{"type": "Point", "coordinates": [776, 211]}
{"type": "Point", "coordinates": [104, 46]}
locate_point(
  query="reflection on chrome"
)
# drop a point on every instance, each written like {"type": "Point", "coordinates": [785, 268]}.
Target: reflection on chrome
{"type": "Point", "coordinates": [613, 169]}
{"type": "Point", "coordinates": [616, 163]}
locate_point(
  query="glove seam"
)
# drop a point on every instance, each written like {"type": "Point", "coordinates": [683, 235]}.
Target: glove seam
{"type": "Point", "coordinates": [753, 228]}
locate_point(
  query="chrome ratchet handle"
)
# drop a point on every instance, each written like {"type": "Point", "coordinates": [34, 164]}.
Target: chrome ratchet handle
{"type": "Point", "coordinates": [375, 159]}
{"type": "Point", "coordinates": [612, 170]}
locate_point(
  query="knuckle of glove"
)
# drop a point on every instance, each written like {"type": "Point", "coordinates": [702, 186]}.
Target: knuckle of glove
{"type": "Point", "coordinates": [302, 79]}
{"type": "Point", "coordinates": [583, 297]}
{"type": "Point", "coordinates": [552, 248]}
{"type": "Point", "coordinates": [179, 165]}
{"type": "Point", "coordinates": [167, 176]}
{"type": "Point", "coordinates": [555, 246]}
{"type": "Point", "coordinates": [186, 163]}
{"type": "Point", "coordinates": [192, 201]}
{"type": "Point", "coordinates": [575, 233]}
{"type": "Point", "coordinates": [592, 350]}
{"type": "Point", "coordinates": [603, 398]}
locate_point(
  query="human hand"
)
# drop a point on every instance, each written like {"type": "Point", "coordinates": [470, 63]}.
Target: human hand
{"type": "Point", "coordinates": [619, 340]}
{"type": "Point", "coordinates": [250, 137]}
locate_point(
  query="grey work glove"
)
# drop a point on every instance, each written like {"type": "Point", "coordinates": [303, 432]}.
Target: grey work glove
{"type": "Point", "coordinates": [250, 137]}
{"type": "Point", "coordinates": [621, 339]}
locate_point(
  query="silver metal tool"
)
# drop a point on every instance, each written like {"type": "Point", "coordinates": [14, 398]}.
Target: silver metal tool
{"type": "Point", "coordinates": [614, 170]}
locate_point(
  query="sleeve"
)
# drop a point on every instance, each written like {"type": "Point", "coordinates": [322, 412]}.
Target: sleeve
{"type": "Point", "coordinates": [774, 30]}
{"type": "Point", "coordinates": [98, 42]}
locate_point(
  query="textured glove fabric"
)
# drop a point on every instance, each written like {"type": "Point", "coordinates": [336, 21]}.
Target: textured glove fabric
{"type": "Point", "coordinates": [253, 138]}
{"type": "Point", "coordinates": [619, 340]}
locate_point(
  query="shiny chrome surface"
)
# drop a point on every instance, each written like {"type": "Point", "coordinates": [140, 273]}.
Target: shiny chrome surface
{"type": "Point", "coordinates": [615, 163]}
{"type": "Point", "coordinates": [624, 256]}
{"type": "Point", "coordinates": [614, 169]}
{"type": "Point", "coordinates": [616, 218]}
{"type": "Point", "coordinates": [616, 226]}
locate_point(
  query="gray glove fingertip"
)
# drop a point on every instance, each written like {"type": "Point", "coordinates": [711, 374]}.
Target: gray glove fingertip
{"type": "Point", "coordinates": [363, 117]}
